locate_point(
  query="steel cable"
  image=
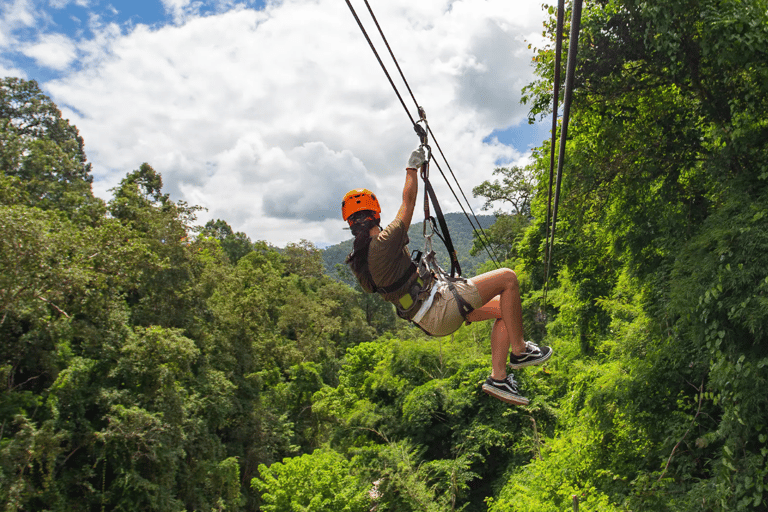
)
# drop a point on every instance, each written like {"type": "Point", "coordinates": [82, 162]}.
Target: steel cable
{"type": "Point", "coordinates": [482, 237]}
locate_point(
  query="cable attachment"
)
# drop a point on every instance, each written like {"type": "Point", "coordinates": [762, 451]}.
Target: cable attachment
{"type": "Point", "coordinates": [425, 165]}
{"type": "Point", "coordinates": [421, 131]}
{"type": "Point", "coordinates": [429, 223]}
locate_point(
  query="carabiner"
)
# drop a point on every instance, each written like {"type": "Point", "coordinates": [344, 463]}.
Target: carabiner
{"type": "Point", "coordinates": [425, 166]}
{"type": "Point", "coordinates": [428, 237]}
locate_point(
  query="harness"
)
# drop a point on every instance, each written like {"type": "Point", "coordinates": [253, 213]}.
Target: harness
{"type": "Point", "coordinates": [441, 279]}
{"type": "Point", "coordinates": [427, 258]}
{"type": "Point", "coordinates": [415, 293]}
{"type": "Point", "coordinates": [418, 296]}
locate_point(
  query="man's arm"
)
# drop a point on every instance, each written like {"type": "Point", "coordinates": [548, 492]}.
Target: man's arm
{"type": "Point", "coordinates": [410, 192]}
{"type": "Point", "coordinates": [411, 188]}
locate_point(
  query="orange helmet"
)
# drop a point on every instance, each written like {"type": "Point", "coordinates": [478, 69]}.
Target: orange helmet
{"type": "Point", "coordinates": [358, 200]}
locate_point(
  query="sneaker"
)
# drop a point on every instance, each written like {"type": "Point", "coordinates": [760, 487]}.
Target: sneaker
{"type": "Point", "coordinates": [533, 354]}
{"type": "Point", "coordinates": [505, 390]}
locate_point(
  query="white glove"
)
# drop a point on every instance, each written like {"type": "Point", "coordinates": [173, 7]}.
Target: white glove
{"type": "Point", "coordinates": [418, 158]}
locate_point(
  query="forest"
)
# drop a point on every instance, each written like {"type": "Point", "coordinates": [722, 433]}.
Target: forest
{"type": "Point", "coordinates": [150, 363]}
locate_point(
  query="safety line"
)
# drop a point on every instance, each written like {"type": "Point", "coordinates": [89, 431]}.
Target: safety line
{"type": "Point", "coordinates": [370, 43]}
{"type": "Point", "coordinates": [494, 257]}
{"type": "Point", "coordinates": [391, 53]}
{"type": "Point", "coordinates": [486, 243]}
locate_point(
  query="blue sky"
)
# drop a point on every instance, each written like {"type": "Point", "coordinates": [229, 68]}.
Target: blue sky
{"type": "Point", "coordinates": [267, 113]}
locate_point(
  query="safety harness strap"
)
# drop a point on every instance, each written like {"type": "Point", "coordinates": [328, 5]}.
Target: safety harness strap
{"type": "Point", "coordinates": [446, 236]}
{"type": "Point", "coordinates": [465, 307]}
{"type": "Point", "coordinates": [399, 283]}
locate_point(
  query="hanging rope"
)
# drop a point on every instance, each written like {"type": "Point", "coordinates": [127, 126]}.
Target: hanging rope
{"type": "Point", "coordinates": [479, 231]}
{"type": "Point", "coordinates": [569, 76]}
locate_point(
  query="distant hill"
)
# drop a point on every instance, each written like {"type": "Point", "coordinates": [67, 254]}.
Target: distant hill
{"type": "Point", "coordinates": [461, 234]}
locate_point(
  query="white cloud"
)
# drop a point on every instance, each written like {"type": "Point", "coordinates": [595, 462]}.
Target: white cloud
{"type": "Point", "coordinates": [15, 15]}
{"type": "Point", "coordinates": [175, 7]}
{"type": "Point", "coordinates": [55, 51]}
{"type": "Point", "coordinates": [268, 117]}
{"type": "Point", "coordinates": [10, 70]}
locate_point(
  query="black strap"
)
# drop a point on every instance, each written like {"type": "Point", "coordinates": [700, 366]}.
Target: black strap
{"type": "Point", "coordinates": [446, 238]}
{"type": "Point", "coordinates": [465, 307]}
{"type": "Point", "coordinates": [399, 283]}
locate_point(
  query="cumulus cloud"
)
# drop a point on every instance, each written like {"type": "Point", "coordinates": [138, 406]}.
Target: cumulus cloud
{"type": "Point", "coordinates": [310, 181]}
{"type": "Point", "coordinates": [55, 51]}
{"type": "Point", "coordinates": [267, 117]}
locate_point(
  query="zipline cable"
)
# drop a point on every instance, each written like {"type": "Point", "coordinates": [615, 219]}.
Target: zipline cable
{"type": "Point", "coordinates": [493, 256]}
{"type": "Point", "coordinates": [555, 99]}
{"type": "Point", "coordinates": [482, 237]}
{"type": "Point", "coordinates": [569, 76]}
{"type": "Point", "coordinates": [383, 67]}
{"type": "Point", "coordinates": [483, 242]}
{"type": "Point", "coordinates": [391, 53]}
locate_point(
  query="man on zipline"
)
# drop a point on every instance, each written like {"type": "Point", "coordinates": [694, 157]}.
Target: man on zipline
{"type": "Point", "coordinates": [381, 262]}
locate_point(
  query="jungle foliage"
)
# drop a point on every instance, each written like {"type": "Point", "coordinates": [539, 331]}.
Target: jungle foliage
{"type": "Point", "coordinates": [148, 364]}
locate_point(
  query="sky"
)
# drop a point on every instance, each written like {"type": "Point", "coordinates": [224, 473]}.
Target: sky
{"type": "Point", "coordinates": [266, 113]}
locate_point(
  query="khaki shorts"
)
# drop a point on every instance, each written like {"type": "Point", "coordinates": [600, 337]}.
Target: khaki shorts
{"type": "Point", "coordinates": [443, 317]}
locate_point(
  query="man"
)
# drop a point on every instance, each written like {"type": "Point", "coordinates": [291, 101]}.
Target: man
{"type": "Point", "coordinates": [381, 262]}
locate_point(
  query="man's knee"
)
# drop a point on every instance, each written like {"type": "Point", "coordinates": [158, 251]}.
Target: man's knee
{"type": "Point", "coordinates": [510, 278]}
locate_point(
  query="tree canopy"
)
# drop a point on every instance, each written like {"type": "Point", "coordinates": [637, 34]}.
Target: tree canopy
{"type": "Point", "coordinates": [149, 363]}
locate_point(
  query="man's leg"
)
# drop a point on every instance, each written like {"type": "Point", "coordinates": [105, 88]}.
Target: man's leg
{"type": "Point", "coordinates": [500, 293]}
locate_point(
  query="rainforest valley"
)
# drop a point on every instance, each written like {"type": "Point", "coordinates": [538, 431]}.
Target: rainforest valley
{"type": "Point", "coordinates": [149, 363]}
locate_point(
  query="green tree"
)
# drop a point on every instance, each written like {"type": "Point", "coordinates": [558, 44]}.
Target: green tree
{"type": "Point", "coordinates": [316, 482]}
{"type": "Point", "coordinates": [42, 155]}
{"type": "Point", "coordinates": [303, 259]}
{"type": "Point", "coordinates": [235, 245]}
{"type": "Point", "coordinates": [665, 169]}
{"type": "Point", "coordinates": [164, 295]}
{"type": "Point", "coordinates": [516, 188]}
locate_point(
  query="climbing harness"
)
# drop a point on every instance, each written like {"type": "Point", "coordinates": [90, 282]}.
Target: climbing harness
{"type": "Point", "coordinates": [430, 196]}
{"type": "Point", "coordinates": [427, 256]}
{"type": "Point", "coordinates": [427, 263]}
{"type": "Point", "coordinates": [418, 286]}
{"type": "Point", "coordinates": [426, 259]}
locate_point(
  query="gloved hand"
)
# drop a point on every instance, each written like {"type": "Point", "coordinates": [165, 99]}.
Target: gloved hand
{"type": "Point", "coordinates": [417, 159]}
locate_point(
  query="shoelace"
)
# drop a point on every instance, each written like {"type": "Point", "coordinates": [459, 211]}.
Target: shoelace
{"type": "Point", "coordinates": [510, 379]}
{"type": "Point", "coordinates": [531, 347]}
